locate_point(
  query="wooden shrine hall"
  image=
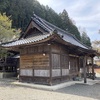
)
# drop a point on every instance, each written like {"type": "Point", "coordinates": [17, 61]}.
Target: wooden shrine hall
{"type": "Point", "coordinates": [50, 55]}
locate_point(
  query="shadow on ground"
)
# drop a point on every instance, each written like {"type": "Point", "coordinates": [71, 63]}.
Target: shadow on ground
{"type": "Point", "coordinates": [92, 91]}
{"type": "Point", "coordinates": [7, 82]}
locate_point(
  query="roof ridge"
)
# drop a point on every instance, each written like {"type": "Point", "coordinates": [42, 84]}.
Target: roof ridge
{"type": "Point", "coordinates": [35, 36]}
{"type": "Point", "coordinates": [39, 18]}
{"type": "Point", "coordinates": [51, 24]}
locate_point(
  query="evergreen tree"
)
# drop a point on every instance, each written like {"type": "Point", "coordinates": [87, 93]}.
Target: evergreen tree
{"type": "Point", "coordinates": [22, 10]}
{"type": "Point", "coordinates": [85, 39]}
{"type": "Point", "coordinates": [65, 20]}
{"type": "Point", "coordinates": [68, 25]}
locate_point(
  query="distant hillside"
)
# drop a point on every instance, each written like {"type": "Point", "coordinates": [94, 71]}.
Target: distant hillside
{"type": "Point", "coordinates": [21, 12]}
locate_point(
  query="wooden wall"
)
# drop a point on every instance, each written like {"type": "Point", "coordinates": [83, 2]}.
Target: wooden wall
{"type": "Point", "coordinates": [33, 63]}
{"type": "Point", "coordinates": [63, 64]}
{"type": "Point", "coordinates": [60, 60]}
{"type": "Point", "coordinates": [56, 63]}
{"type": "Point", "coordinates": [34, 49]}
{"type": "Point", "coordinates": [73, 64]}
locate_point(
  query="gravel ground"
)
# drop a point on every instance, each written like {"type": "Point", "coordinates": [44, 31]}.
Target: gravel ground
{"type": "Point", "coordinates": [92, 91]}
{"type": "Point", "coordinates": [9, 91]}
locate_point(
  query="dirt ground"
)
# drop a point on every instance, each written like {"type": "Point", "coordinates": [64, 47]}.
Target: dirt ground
{"type": "Point", "coordinates": [9, 91]}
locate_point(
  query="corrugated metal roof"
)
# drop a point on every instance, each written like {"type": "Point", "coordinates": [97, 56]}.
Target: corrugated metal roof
{"type": "Point", "coordinates": [26, 41]}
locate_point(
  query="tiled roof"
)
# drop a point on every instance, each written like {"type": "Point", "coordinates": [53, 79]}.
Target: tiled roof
{"type": "Point", "coordinates": [49, 28]}
{"type": "Point", "coordinates": [26, 41]}
{"type": "Point", "coordinates": [66, 36]}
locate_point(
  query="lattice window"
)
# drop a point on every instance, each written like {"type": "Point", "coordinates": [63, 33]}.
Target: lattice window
{"type": "Point", "coordinates": [64, 61]}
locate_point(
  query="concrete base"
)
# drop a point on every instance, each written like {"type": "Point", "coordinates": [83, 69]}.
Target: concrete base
{"type": "Point", "coordinates": [7, 74]}
{"type": "Point", "coordinates": [45, 87]}
{"type": "Point", "coordinates": [56, 87]}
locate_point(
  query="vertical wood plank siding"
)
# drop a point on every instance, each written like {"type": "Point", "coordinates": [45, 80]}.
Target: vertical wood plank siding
{"type": "Point", "coordinates": [52, 66]}
{"type": "Point", "coordinates": [73, 65]}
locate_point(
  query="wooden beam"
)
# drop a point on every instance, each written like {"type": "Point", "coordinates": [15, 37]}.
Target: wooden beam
{"type": "Point", "coordinates": [92, 69]}
{"type": "Point", "coordinates": [3, 68]}
{"type": "Point", "coordinates": [79, 67]}
{"type": "Point", "coordinates": [87, 66]}
{"type": "Point", "coordinates": [61, 63]}
{"type": "Point", "coordinates": [20, 70]}
{"type": "Point", "coordinates": [50, 64]}
{"type": "Point", "coordinates": [84, 66]}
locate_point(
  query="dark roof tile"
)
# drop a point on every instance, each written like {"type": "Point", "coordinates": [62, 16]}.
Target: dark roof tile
{"type": "Point", "coordinates": [48, 27]}
{"type": "Point", "coordinates": [26, 41]}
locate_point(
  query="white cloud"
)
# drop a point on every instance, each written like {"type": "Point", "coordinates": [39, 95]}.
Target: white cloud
{"type": "Point", "coordinates": [88, 16]}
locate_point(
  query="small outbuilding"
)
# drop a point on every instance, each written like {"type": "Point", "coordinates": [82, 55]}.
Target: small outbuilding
{"type": "Point", "coordinates": [9, 65]}
{"type": "Point", "coordinates": [50, 55]}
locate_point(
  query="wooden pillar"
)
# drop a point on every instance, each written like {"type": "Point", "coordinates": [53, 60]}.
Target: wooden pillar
{"type": "Point", "coordinates": [19, 72]}
{"type": "Point", "coordinates": [79, 67]}
{"type": "Point", "coordinates": [87, 66]}
{"type": "Point", "coordinates": [93, 74]}
{"type": "Point", "coordinates": [60, 63]}
{"type": "Point", "coordinates": [84, 66]}
{"type": "Point", "coordinates": [3, 65]}
{"type": "Point", "coordinates": [3, 68]}
{"type": "Point", "coordinates": [50, 64]}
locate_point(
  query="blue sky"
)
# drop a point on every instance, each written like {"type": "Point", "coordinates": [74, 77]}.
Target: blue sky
{"type": "Point", "coordinates": [85, 13]}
